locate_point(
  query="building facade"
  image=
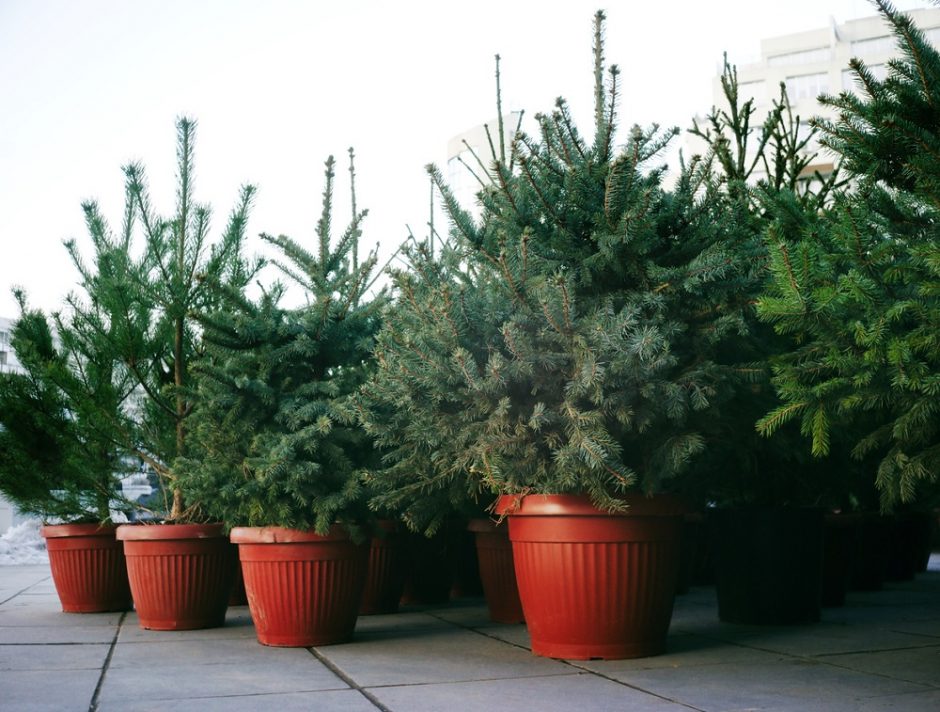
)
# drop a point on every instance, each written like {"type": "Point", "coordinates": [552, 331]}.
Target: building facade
{"type": "Point", "coordinates": [468, 150]}
{"type": "Point", "coordinates": [816, 62]}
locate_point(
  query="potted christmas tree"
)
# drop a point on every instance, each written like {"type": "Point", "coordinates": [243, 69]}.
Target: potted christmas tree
{"type": "Point", "coordinates": [767, 528]}
{"type": "Point", "coordinates": [857, 295]}
{"type": "Point", "coordinates": [143, 288]}
{"type": "Point", "coordinates": [562, 357]}
{"type": "Point", "coordinates": [278, 452]}
{"type": "Point", "coordinates": [57, 462]}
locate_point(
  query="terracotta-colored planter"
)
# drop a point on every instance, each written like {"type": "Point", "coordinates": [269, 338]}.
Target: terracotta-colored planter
{"type": "Point", "coordinates": [594, 584]}
{"type": "Point", "coordinates": [88, 567]}
{"type": "Point", "coordinates": [385, 576]}
{"type": "Point", "coordinates": [303, 589]}
{"type": "Point", "coordinates": [494, 552]}
{"type": "Point", "coordinates": [181, 575]}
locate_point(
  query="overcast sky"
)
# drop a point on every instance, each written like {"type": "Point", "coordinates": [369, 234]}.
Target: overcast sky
{"type": "Point", "coordinates": [278, 85]}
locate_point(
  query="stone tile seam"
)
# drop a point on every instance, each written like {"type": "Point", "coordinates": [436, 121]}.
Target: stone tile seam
{"type": "Point", "coordinates": [875, 651]}
{"type": "Point", "coordinates": [32, 585]}
{"type": "Point", "coordinates": [482, 632]}
{"type": "Point", "coordinates": [93, 705]}
{"type": "Point", "coordinates": [335, 669]}
{"type": "Point", "coordinates": [12, 645]}
{"type": "Point", "coordinates": [820, 660]}
{"type": "Point", "coordinates": [470, 681]}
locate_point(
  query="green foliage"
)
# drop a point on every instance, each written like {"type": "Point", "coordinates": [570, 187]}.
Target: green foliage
{"type": "Point", "coordinates": [275, 440]}
{"type": "Point", "coordinates": [57, 459]}
{"type": "Point", "coordinates": [140, 297]}
{"type": "Point", "coordinates": [857, 288]}
{"type": "Point", "coordinates": [580, 336]}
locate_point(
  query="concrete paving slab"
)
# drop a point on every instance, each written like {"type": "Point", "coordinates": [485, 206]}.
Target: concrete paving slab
{"type": "Point", "coordinates": [195, 681]}
{"type": "Point", "coordinates": [563, 693]}
{"type": "Point", "coordinates": [825, 639]}
{"type": "Point", "coordinates": [47, 634]}
{"type": "Point", "coordinates": [683, 651]}
{"type": "Point", "coordinates": [787, 684]}
{"type": "Point", "coordinates": [512, 634]}
{"type": "Point", "coordinates": [913, 665]}
{"type": "Point", "coordinates": [910, 702]}
{"type": "Point", "coordinates": [199, 651]}
{"type": "Point", "coordinates": [396, 623]}
{"type": "Point", "coordinates": [53, 657]}
{"type": "Point", "coordinates": [41, 691]}
{"type": "Point", "coordinates": [237, 625]}
{"type": "Point", "coordinates": [434, 656]}
{"type": "Point", "coordinates": [23, 614]}
{"type": "Point", "coordinates": [325, 701]}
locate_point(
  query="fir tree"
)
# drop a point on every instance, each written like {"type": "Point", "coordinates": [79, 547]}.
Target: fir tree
{"type": "Point", "coordinates": [577, 337]}
{"type": "Point", "coordinates": [857, 289]}
{"type": "Point", "coordinates": [276, 440]}
{"type": "Point", "coordinates": [139, 302]}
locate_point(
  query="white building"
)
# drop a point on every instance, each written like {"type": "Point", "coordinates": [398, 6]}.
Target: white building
{"type": "Point", "coordinates": [817, 62]}
{"type": "Point", "coordinates": [8, 513]}
{"type": "Point", "coordinates": [468, 150]}
{"type": "Point", "coordinates": [8, 360]}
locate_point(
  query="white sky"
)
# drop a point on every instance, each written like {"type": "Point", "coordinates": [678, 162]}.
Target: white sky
{"type": "Point", "coordinates": [278, 85]}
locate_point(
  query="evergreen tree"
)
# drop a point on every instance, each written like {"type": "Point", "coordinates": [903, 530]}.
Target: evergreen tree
{"type": "Point", "coordinates": [139, 303]}
{"type": "Point", "coordinates": [576, 338]}
{"type": "Point", "coordinates": [857, 288]}
{"type": "Point", "coordinates": [757, 174]}
{"type": "Point", "coordinates": [275, 441]}
{"type": "Point", "coordinates": [57, 457]}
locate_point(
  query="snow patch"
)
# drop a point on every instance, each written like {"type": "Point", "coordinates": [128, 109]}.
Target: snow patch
{"type": "Point", "coordinates": [23, 544]}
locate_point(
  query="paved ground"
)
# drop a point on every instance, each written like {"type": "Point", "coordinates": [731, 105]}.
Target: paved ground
{"type": "Point", "coordinates": [880, 652]}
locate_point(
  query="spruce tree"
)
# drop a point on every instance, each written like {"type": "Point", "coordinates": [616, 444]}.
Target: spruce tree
{"type": "Point", "coordinates": [139, 299]}
{"type": "Point", "coordinates": [275, 441]}
{"type": "Point", "coordinates": [575, 338]}
{"type": "Point", "coordinates": [857, 288]}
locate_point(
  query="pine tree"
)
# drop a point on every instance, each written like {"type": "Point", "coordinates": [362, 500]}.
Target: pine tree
{"type": "Point", "coordinates": [139, 302]}
{"type": "Point", "coordinates": [857, 288]}
{"type": "Point", "coordinates": [275, 441]}
{"type": "Point", "coordinates": [575, 338]}
{"type": "Point", "coordinates": [57, 457]}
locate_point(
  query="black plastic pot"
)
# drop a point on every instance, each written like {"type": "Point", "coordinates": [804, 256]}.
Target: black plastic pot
{"type": "Point", "coordinates": [768, 565]}
{"type": "Point", "coordinates": [840, 543]}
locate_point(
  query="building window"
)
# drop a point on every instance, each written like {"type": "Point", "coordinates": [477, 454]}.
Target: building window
{"type": "Point", "coordinates": [878, 71]}
{"type": "Point", "coordinates": [933, 36]}
{"type": "Point", "coordinates": [874, 46]}
{"type": "Point", "coordinates": [807, 86]}
{"type": "Point", "coordinates": [806, 56]}
{"type": "Point", "coordinates": [754, 90]}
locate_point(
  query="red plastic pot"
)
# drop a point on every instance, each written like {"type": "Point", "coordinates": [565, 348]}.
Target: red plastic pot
{"type": "Point", "coordinates": [303, 589]}
{"type": "Point", "coordinates": [88, 567]}
{"type": "Point", "coordinates": [595, 584]}
{"type": "Point", "coordinates": [494, 552]}
{"type": "Point", "coordinates": [181, 575]}
{"type": "Point", "coordinates": [385, 574]}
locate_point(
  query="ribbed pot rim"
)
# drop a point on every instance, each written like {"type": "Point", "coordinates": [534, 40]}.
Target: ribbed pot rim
{"type": "Point", "coordinates": [540, 505]}
{"type": "Point", "coordinates": [284, 535]}
{"type": "Point", "coordinates": [167, 532]}
{"type": "Point", "coordinates": [54, 531]}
